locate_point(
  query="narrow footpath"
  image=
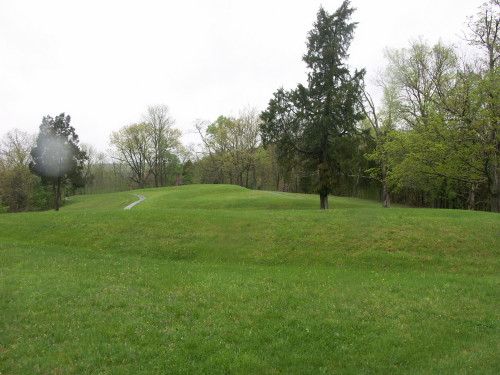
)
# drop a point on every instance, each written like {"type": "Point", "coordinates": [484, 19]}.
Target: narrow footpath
{"type": "Point", "coordinates": [141, 198]}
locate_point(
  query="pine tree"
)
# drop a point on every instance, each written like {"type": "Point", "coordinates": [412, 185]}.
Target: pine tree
{"type": "Point", "coordinates": [56, 155]}
{"type": "Point", "coordinates": [312, 122]}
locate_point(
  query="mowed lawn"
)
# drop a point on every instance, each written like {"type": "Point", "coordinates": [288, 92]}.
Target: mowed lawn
{"type": "Point", "coordinates": [223, 280]}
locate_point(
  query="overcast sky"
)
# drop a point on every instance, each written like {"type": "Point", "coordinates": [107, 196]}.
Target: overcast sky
{"type": "Point", "coordinates": [103, 62]}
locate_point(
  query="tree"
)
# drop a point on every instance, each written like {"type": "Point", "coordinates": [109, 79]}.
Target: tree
{"type": "Point", "coordinates": [248, 123]}
{"type": "Point", "coordinates": [230, 147]}
{"type": "Point", "coordinates": [447, 144]}
{"type": "Point", "coordinates": [18, 186]}
{"type": "Point", "coordinates": [312, 122]}
{"type": "Point", "coordinates": [163, 138]}
{"type": "Point", "coordinates": [379, 155]}
{"type": "Point", "coordinates": [56, 155]}
{"type": "Point", "coordinates": [132, 146]}
{"type": "Point", "coordinates": [484, 32]}
{"type": "Point", "coordinates": [147, 148]}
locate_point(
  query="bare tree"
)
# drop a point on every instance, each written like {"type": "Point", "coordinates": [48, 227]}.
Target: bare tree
{"type": "Point", "coordinates": [163, 139]}
{"type": "Point", "coordinates": [132, 146]}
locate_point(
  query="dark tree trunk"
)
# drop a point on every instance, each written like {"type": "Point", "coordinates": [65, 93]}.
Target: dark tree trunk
{"type": "Point", "coordinates": [495, 196]}
{"type": "Point", "coordinates": [54, 191]}
{"type": "Point", "coordinates": [323, 185]}
{"type": "Point", "coordinates": [57, 193]}
{"type": "Point", "coordinates": [157, 178]}
{"type": "Point", "coordinates": [494, 182]}
{"type": "Point", "coordinates": [387, 195]}
{"type": "Point", "coordinates": [162, 174]}
{"type": "Point", "coordinates": [254, 175]}
{"type": "Point", "coordinates": [323, 201]}
{"type": "Point", "coordinates": [471, 201]}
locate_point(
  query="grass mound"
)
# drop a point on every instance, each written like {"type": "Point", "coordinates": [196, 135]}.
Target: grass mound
{"type": "Point", "coordinates": [221, 279]}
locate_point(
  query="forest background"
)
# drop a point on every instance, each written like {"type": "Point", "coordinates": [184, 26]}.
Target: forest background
{"type": "Point", "coordinates": [433, 140]}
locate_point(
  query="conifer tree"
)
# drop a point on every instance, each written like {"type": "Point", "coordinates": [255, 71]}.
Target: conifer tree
{"type": "Point", "coordinates": [313, 121]}
{"type": "Point", "coordinates": [56, 155]}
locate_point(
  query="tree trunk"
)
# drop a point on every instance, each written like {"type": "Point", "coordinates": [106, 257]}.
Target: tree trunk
{"type": "Point", "coordinates": [323, 185]}
{"type": "Point", "coordinates": [494, 182]}
{"type": "Point", "coordinates": [356, 185]}
{"type": "Point", "coordinates": [54, 191]}
{"type": "Point", "coordinates": [323, 201]}
{"type": "Point", "coordinates": [495, 195]}
{"type": "Point", "coordinates": [162, 173]}
{"type": "Point", "coordinates": [254, 175]}
{"type": "Point", "coordinates": [471, 201]}
{"type": "Point", "coordinates": [57, 190]}
{"type": "Point", "coordinates": [387, 195]}
{"type": "Point", "coordinates": [157, 182]}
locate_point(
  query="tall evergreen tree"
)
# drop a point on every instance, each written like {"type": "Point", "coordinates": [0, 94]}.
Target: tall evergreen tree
{"type": "Point", "coordinates": [56, 155]}
{"type": "Point", "coordinates": [312, 122]}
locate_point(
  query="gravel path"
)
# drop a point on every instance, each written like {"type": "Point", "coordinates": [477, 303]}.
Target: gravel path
{"type": "Point", "coordinates": [141, 198]}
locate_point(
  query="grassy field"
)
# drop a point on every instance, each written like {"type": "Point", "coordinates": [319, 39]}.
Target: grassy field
{"type": "Point", "coordinates": [224, 280]}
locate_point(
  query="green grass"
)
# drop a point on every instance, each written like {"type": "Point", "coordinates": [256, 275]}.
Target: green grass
{"type": "Point", "coordinates": [223, 280]}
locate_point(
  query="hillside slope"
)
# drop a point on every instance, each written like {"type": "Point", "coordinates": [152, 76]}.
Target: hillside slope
{"type": "Point", "coordinates": [221, 279]}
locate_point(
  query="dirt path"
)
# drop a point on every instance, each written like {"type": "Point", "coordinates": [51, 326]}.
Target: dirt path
{"type": "Point", "coordinates": [141, 198]}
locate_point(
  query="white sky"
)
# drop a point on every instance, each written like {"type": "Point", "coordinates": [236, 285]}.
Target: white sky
{"type": "Point", "coordinates": [104, 61]}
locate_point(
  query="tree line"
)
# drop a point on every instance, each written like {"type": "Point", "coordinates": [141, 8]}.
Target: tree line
{"type": "Point", "coordinates": [433, 141]}
{"type": "Point", "coordinates": [437, 131]}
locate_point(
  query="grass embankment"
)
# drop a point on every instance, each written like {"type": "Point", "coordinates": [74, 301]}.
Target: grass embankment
{"type": "Point", "coordinates": [219, 279]}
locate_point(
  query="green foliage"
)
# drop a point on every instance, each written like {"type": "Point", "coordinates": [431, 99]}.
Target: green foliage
{"type": "Point", "coordinates": [230, 149]}
{"type": "Point", "coordinates": [220, 279]}
{"type": "Point", "coordinates": [439, 140]}
{"type": "Point", "coordinates": [132, 148]}
{"type": "Point", "coordinates": [56, 153]}
{"type": "Point", "coordinates": [187, 172]}
{"type": "Point", "coordinates": [310, 122]}
{"type": "Point", "coordinates": [41, 197]}
{"type": "Point", "coordinates": [148, 148]}
{"type": "Point", "coordinates": [18, 186]}
{"type": "Point", "coordinates": [3, 207]}
{"type": "Point", "coordinates": [56, 157]}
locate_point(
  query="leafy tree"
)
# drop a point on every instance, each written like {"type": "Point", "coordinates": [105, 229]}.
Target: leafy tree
{"type": "Point", "coordinates": [447, 142]}
{"type": "Point", "coordinates": [216, 148]}
{"type": "Point", "coordinates": [163, 139]}
{"type": "Point", "coordinates": [230, 146]}
{"type": "Point", "coordinates": [382, 124]}
{"type": "Point", "coordinates": [312, 122]}
{"type": "Point", "coordinates": [484, 32]}
{"type": "Point", "coordinates": [132, 145]}
{"type": "Point", "coordinates": [18, 186]}
{"type": "Point", "coordinates": [56, 155]}
{"type": "Point", "coordinates": [187, 172]}
{"type": "Point", "coordinates": [148, 148]}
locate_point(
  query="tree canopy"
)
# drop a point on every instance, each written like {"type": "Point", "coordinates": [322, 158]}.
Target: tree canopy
{"type": "Point", "coordinates": [56, 156]}
{"type": "Point", "coordinates": [314, 121]}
